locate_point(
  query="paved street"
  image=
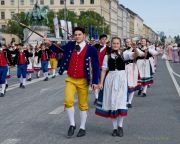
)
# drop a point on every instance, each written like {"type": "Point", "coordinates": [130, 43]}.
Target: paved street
{"type": "Point", "coordinates": [35, 115]}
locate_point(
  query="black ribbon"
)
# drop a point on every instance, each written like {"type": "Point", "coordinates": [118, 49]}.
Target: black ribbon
{"type": "Point", "coordinates": [101, 46]}
{"type": "Point", "coordinates": [78, 48]}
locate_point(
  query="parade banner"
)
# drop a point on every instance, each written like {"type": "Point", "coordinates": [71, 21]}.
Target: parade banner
{"type": "Point", "coordinates": [64, 28]}
{"type": "Point", "coordinates": [56, 26]}
{"type": "Point", "coordinates": [75, 25]}
{"type": "Point", "coordinates": [69, 27]}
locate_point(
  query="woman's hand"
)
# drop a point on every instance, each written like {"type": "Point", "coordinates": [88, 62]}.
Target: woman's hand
{"type": "Point", "coordinates": [100, 86]}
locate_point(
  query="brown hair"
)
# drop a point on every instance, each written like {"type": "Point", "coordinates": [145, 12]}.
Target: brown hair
{"type": "Point", "coordinates": [116, 38]}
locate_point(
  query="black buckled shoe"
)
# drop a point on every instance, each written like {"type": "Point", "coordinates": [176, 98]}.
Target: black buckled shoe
{"type": "Point", "coordinates": [23, 87]}
{"type": "Point", "coordinates": [120, 132]}
{"type": "Point", "coordinates": [54, 76]}
{"type": "Point", "coordinates": [81, 133]}
{"type": "Point", "coordinates": [114, 133]}
{"type": "Point", "coordinates": [139, 92]}
{"type": "Point", "coordinates": [46, 79]}
{"type": "Point", "coordinates": [144, 95]}
{"type": "Point", "coordinates": [7, 86]}
{"type": "Point", "coordinates": [71, 131]}
{"type": "Point", "coordinates": [129, 105]}
{"type": "Point", "coordinates": [2, 95]}
{"type": "Point", "coordinates": [20, 85]}
{"type": "Point", "coordinates": [29, 79]}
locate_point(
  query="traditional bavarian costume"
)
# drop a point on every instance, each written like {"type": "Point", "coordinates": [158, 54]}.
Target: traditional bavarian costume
{"type": "Point", "coordinates": [112, 103]}
{"type": "Point", "coordinates": [22, 60]}
{"type": "Point", "coordinates": [132, 75]}
{"type": "Point", "coordinates": [76, 61]}
{"type": "Point", "coordinates": [5, 59]}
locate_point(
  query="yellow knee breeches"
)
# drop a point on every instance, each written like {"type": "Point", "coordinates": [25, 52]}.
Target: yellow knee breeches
{"type": "Point", "coordinates": [53, 63]}
{"type": "Point", "coordinates": [80, 86]}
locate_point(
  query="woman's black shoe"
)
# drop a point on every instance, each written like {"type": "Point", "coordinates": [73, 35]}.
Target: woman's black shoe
{"type": "Point", "coordinates": [129, 105]}
{"type": "Point", "coordinates": [120, 132]}
{"type": "Point", "coordinates": [114, 133]}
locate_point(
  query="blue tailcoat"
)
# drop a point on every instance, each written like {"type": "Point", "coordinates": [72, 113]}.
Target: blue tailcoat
{"type": "Point", "coordinates": [91, 53]}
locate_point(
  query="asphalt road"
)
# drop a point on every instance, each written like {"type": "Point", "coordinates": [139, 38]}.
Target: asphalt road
{"type": "Point", "coordinates": [35, 115]}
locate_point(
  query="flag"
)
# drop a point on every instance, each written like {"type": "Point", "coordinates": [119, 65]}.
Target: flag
{"type": "Point", "coordinates": [56, 26]}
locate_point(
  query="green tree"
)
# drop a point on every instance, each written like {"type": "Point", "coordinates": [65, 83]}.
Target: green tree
{"type": "Point", "coordinates": [92, 19]}
{"type": "Point", "coordinates": [50, 16]}
{"type": "Point", "coordinates": [70, 16]}
{"type": "Point", "coordinates": [163, 38]}
{"type": "Point", "coordinates": [14, 28]}
{"type": "Point", "coordinates": [177, 39]}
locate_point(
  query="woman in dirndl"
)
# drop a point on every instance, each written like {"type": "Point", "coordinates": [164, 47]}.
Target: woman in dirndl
{"type": "Point", "coordinates": [112, 101]}
{"type": "Point", "coordinates": [30, 68]}
{"type": "Point", "coordinates": [37, 62]}
{"type": "Point", "coordinates": [132, 71]}
{"type": "Point", "coordinates": [144, 67]}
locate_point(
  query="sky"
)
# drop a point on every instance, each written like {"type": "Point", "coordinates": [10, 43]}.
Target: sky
{"type": "Point", "coordinates": [160, 15]}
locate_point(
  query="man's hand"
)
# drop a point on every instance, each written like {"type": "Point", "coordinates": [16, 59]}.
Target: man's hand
{"type": "Point", "coordinates": [47, 41]}
{"type": "Point", "coordinates": [94, 86]}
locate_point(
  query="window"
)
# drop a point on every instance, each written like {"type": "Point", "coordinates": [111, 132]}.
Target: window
{"type": "Point", "coordinates": [91, 1]}
{"type": "Point", "coordinates": [61, 2]}
{"type": "Point", "coordinates": [3, 27]}
{"type": "Point", "coordinates": [51, 2]}
{"type": "Point", "coordinates": [22, 2]}
{"type": "Point", "coordinates": [2, 2]}
{"type": "Point", "coordinates": [12, 2]}
{"type": "Point", "coordinates": [12, 13]}
{"type": "Point", "coordinates": [2, 15]}
{"type": "Point", "coordinates": [31, 2]}
{"type": "Point", "coordinates": [81, 1]}
{"type": "Point", "coordinates": [71, 1]}
{"type": "Point", "coordinates": [41, 2]}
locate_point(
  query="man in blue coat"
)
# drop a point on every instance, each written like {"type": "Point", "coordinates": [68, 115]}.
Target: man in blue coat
{"type": "Point", "coordinates": [82, 65]}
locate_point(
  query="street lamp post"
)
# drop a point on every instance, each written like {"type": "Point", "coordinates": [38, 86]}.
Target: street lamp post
{"type": "Point", "coordinates": [18, 6]}
{"type": "Point", "coordinates": [65, 19]}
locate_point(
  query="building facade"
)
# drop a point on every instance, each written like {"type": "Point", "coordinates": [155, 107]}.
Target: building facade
{"type": "Point", "coordinates": [122, 21]}
{"type": "Point", "coordinates": [138, 26]}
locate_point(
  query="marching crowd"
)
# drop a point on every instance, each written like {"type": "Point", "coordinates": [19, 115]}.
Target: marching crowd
{"type": "Point", "coordinates": [113, 71]}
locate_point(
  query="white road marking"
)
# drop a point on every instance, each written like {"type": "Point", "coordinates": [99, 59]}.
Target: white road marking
{"type": "Point", "coordinates": [43, 90]}
{"type": "Point", "coordinates": [11, 141]}
{"type": "Point", "coordinates": [175, 74]}
{"type": "Point", "coordinates": [59, 110]}
{"type": "Point", "coordinates": [173, 78]}
{"type": "Point", "coordinates": [14, 86]}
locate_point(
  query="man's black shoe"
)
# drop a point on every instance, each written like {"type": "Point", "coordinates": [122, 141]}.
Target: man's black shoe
{"type": "Point", "coordinates": [23, 86]}
{"type": "Point", "coordinates": [139, 92]}
{"type": "Point", "coordinates": [53, 76]}
{"type": "Point", "coordinates": [46, 79]}
{"type": "Point", "coordinates": [2, 95]}
{"type": "Point", "coordinates": [81, 133]}
{"type": "Point", "coordinates": [29, 79]}
{"type": "Point", "coordinates": [120, 132]}
{"type": "Point", "coordinates": [71, 131]}
{"type": "Point", "coordinates": [20, 85]}
{"type": "Point", "coordinates": [7, 86]}
{"type": "Point", "coordinates": [114, 133]}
